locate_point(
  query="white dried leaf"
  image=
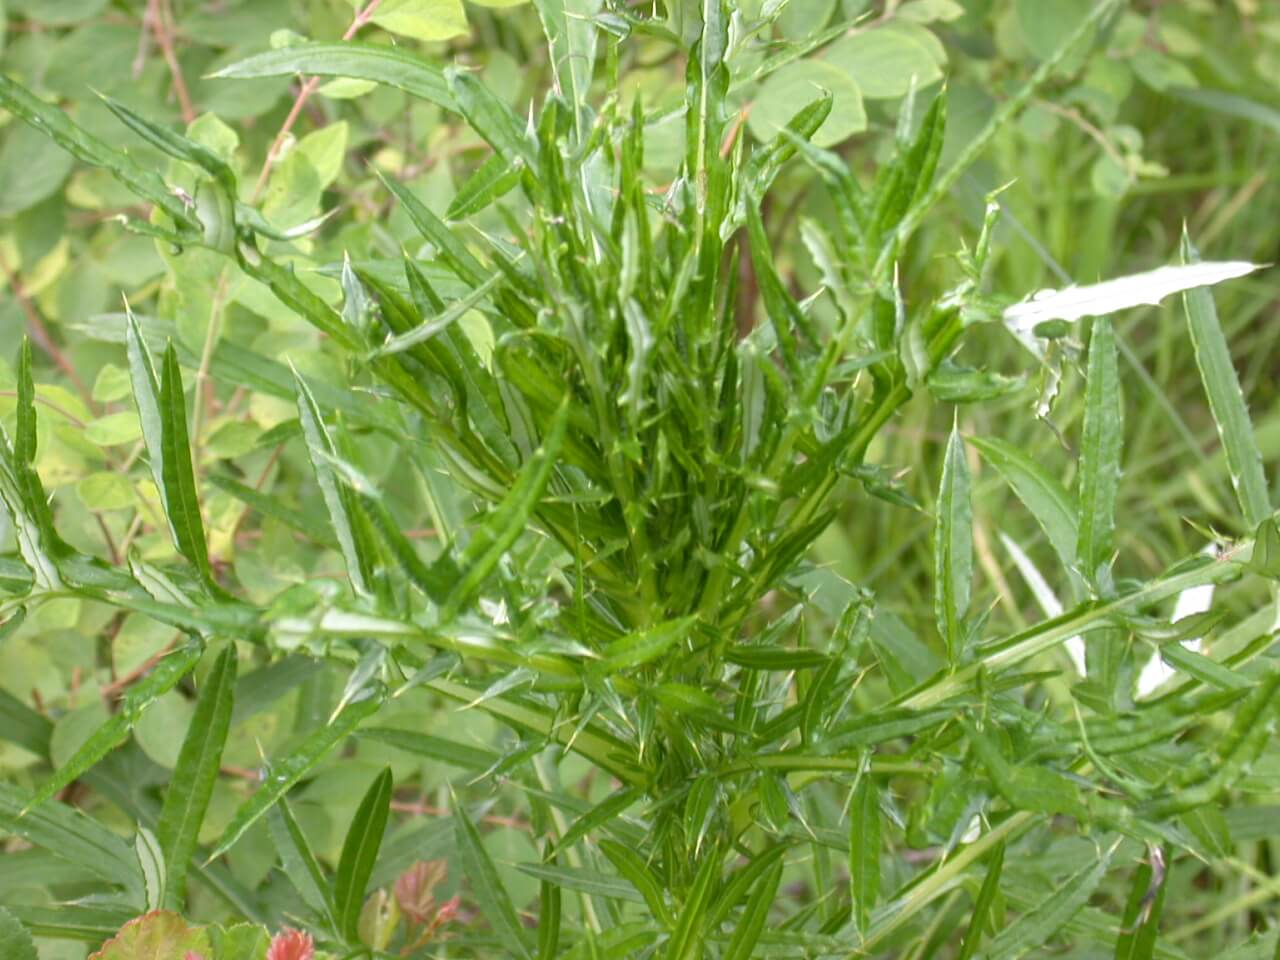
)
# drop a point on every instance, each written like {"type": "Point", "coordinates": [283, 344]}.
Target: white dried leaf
{"type": "Point", "coordinates": [1110, 296]}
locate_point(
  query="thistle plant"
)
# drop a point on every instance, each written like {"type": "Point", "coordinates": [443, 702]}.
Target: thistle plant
{"type": "Point", "coordinates": [628, 427]}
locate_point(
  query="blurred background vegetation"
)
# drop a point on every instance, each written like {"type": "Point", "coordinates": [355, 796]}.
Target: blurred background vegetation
{"type": "Point", "coordinates": [1171, 119]}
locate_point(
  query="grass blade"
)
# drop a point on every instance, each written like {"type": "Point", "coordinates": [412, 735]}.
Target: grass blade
{"type": "Point", "coordinates": [953, 548]}
{"type": "Point", "coordinates": [359, 853]}
{"type": "Point", "coordinates": [189, 791]}
{"type": "Point", "coordinates": [1226, 400]}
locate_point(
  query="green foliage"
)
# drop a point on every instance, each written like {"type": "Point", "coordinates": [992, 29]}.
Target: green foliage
{"type": "Point", "coordinates": [487, 547]}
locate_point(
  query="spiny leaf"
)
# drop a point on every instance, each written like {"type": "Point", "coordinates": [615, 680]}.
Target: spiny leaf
{"type": "Point", "coordinates": [1035, 927]}
{"type": "Point", "coordinates": [187, 798]}
{"type": "Point", "coordinates": [1222, 387]}
{"type": "Point", "coordinates": [953, 548]}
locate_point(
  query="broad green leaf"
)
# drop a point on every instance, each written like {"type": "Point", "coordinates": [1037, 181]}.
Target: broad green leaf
{"type": "Point", "coordinates": [186, 799]}
{"type": "Point", "coordinates": [884, 63]}
{"type": "Point", "coordinates": [864, 848]}
{"type": "Point", "coordinates": [1044, 27]}
{"type": "Point", "coordinates": [422, 19]}
{"type": "Point", "coordinates": [1038, 925]}
{"type": "Point", "coordinates": [1226, 401]}
{"type": "Point", "coordinates": [1039, 492]}
{"type": "Point", "coordinates": [359, 853]}
{"type": "Point", "coordinates": [953, 548]}
{"type": "Point", "coordinates": [164, 676]}
{"type": "Point", "coordinates": [15, 941]}
{"type": "Point", "coordinates": [1100, 450]}
{"type": "Point", "coordinates": [32, 168]}
{"type": "Point", "coordinates": [486, 884]}
{"type": "Point", "coordinates": [805, 81]}
{"type": "Point", "coordinates": [361, 61]}
{"type": "Point", "coordinates": [284, 773]}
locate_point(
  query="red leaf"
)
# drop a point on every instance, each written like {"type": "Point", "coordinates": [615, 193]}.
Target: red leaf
{"type": "Point", "coordinates": [291, 945]}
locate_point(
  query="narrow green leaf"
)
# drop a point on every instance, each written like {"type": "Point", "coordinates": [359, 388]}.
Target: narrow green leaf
{"type": "Point", "coordinates": [636, 649]}
{"type": "Point", "coordinates": [632, 866]}
{"type": "Point", "coordinates": [594, 819]}
{"type": "Point", "coordinates": [1140, 923]}
{"type": "Point", "coordinates": [486, 884]}
{"type": "Point", "coordinates": [146, 394]}
{"type": "Point", "coordinates": [381, 63]}
{"type": "Point", "coordinates": [1226, 400]}
{"type": "Point", "coordinates": [1202, 668]}
{"type": "Point", "coordinates": [1100, 450]}
{"type": "Point", "coordinates": [509, 519]}
{"type": "Point", "coordinates": [300, 864]}
{"type": "Point", "coordinates": [359, 853]}
{"type": "Point", "coordinates": [686, 938]}
{"type": "Point", "coordinates": [953, 548]}
{"type": "Point", "coordinates": [162, 678]}
{"type": "Point", "coordinates": [490, 117]}
{"type": "Point", "coordinates": [187, 797]}
{"type": "Point", "coordinates": [55, 124]}
{"type": "Point", "coordinates": [495, 178]}
{"type": "Point", "coordinates": [284, 773]}
{"type": "Point", "coordinates": [864, 848]}
{"type": "Point", "coordinates": [464, 755]}
{"type": "Point", "coordinates": [77, 838]}
{"type": "Point", "coordinates": [548, 919]}
{"type": "Point", "coordinates": [590, 882]}
{"type": "Point", "coordinates": [175, 145]}
{"type": "Point", "coordinates": [180, 497]}
{"type": "Point", "coordinates": [980, 916]}
{"type": "Point", "coordinates": [337, 498]}
{"type": "Point", "coordinates": [1038, 925]}
{"type": "Point", "coordinates": [754, 916]}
